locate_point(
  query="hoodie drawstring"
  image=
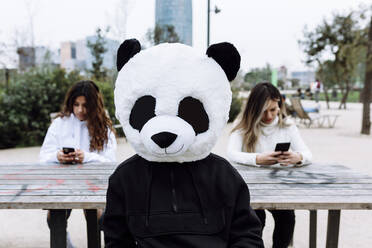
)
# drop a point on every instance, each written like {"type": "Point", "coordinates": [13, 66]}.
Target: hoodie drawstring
{"type": "Point", "coordinates": [149, 196]}
{"type": "Point", "coordinates": [199, 198]}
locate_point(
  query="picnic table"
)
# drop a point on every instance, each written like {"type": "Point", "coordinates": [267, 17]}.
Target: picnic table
{"type": "Point", "coordinates": [312, 187]}
{"type": "Point", "coordinates": [59, 187]}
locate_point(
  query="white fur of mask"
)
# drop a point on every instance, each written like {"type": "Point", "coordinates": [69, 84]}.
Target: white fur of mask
{"type": "Point", "coordinates": [169, 73]}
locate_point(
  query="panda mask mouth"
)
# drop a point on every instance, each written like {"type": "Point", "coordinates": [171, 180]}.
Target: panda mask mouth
{"type": "Point", "coordinates": [167, 135]}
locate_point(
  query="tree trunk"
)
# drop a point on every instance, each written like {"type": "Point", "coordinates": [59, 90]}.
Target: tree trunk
{"type": "Point", "coordinates": [366, 122]}
{"type": "Point", "coordinates": [6, 79]}
{"type": "Point", "coordinates": [344, 97]}
{"type": "Point", "coordinates": [342, 89]}
{"type": "Point", "coordinates": [325, 89]}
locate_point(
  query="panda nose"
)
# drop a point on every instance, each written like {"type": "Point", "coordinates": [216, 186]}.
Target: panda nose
{"type": "Point", "coordinates": [164, 139]}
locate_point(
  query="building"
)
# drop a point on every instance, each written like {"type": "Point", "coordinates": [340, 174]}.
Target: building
{"type": "Point", "coordinates": [305, 77]}
{"type": "Point", "coordinates": [77, 56]}
{"type": "Point", "coordinates": [282, 73]}
{"type": "Point", "coordinates": [68, 56]}
{"type": "Point", "coordinates": [177, 13]}
{"type": "Point", "coordinates": [36, 56]}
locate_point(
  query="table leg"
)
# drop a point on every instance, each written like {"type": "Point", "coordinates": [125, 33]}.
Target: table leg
{"type": "Point", "coordinates": [58, 224]}
{"type": "Point", "coordinates": [313, 225]}
{"type": "Point", "coordinates": [333, 228]}
{"type": "Point", "coordinates": [93, 232]}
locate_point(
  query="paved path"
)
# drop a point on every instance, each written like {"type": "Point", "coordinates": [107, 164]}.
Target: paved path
{"type": "Point", "coordinates": [342, 144]}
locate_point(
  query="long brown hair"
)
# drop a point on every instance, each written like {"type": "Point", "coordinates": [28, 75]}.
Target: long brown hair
{"type": "Point", "coordinates": [257, 102]}
{"type": "Point", "coordinates": [98, 122]}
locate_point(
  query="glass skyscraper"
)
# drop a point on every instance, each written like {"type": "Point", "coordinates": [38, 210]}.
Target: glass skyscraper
{"type": "Point", "coordinates": [177, 13]}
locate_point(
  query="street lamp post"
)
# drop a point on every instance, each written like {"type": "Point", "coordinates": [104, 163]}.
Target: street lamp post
{"type": "Point", "coordinates": [209, 11]}
{"type": "Point", "coordinates": [216, 11]}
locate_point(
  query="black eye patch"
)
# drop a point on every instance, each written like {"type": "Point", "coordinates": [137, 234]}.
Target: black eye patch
{"type": "Point", "coordinates": [142, 111]}
{"type": "Point", "coordinates": [192, 111]}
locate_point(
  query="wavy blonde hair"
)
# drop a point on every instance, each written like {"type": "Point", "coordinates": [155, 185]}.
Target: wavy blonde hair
{"type": "Point", "coordinates": [250, 119]}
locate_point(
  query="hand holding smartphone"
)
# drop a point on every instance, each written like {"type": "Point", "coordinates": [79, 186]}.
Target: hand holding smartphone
{"type": "Point", "coordinates": [67, 150]}
{"type": "Point", "coordinates": [282, 147]}
{"type": "Point", "coordinates": [68, 157]}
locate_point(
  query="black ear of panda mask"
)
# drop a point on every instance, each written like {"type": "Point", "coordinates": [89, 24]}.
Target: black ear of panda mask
{"type": "Point", "coordinates": [226, 55]}
{"type": "Point", "coordinates": [126, 51]}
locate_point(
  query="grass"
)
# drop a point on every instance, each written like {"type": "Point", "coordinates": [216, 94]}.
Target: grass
{"type": "Point", "coordinates": [352, 97]}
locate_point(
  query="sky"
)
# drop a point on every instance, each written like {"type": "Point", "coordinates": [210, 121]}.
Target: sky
{"type": "Point", "coordinates": [264, 31]}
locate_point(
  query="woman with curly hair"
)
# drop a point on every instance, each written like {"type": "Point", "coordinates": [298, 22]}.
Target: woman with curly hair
{"type": "Point", "coordinates": [84, 126]}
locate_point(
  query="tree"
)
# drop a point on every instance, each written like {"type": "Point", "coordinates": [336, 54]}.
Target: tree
{"type": "Point", "coordinates": [342, 39]}
{"type": "Point", "coordinates": [295, 82]}
{"type": "Point", "coordinates": [257, 75]}
{"type": "Point", "coordinates": [366, 123]}
{"type": "Point", "coordinates": [25, 107]}
{"type": "Point", "coordinates": [236, 102]}
{"type": "Point", "coordinates": [97, 49]}
{"type": "Point", "coordinates": [162, 34]}
{"type": "Point", "coordinates": [327, 72]}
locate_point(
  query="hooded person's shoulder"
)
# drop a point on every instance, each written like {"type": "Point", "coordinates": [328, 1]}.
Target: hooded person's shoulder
{"type": "Point", "coordinates": [129, 164]}
{"type": "Point", "coordinates": [220, 165]}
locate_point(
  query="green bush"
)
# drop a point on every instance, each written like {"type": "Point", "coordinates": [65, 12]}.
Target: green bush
{"type": "Point", "coordinates": [354, 96]}
{"type": "Point", "coordinates": [107, 90]}
{"type": "Point", "coordinates": [236, 105]}
{"type": "Point", "coordinates": [25, 107]}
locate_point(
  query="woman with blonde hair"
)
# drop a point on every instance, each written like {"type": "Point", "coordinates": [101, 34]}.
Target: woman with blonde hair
{"type": "Point", "coordinates": [263, 124]}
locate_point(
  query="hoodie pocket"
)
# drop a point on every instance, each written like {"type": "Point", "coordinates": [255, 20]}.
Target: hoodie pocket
{"type": "Point", "coordinates": [176, 223]}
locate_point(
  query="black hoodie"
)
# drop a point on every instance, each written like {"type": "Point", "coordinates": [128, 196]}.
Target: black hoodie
{"type": "Point", "coordinates": [205, 203]}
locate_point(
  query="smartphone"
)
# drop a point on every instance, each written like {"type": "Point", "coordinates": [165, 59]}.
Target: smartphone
{"type": "Point", "coordinates": [282, 147]}
{"type": "Point", "coordinates": [67, 150]}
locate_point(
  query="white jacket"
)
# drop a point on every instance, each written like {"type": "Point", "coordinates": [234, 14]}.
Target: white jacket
{"type": "Point", "coordinates": [270, 135]}
{"type": "Point", "coordinates": [71, 132]}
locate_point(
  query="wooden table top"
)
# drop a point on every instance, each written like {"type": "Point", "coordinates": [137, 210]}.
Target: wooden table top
{"type": "Point", "coordinates": [316, 186]}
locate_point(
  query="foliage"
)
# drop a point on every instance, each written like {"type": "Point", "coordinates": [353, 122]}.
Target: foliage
{"type": "Point", "coordinates": [236, 105]}
{"type": "Point", "coordinates": [354, 96]}
{"type": "Point", "coordinates": [295, 82]}
{"type": "Point", "coordinates": [366, 119]}
{"type": "Point", "coordinates": [328, 74]}
{"type": "Point", "coordinates": [107, 90]}
{"type": "Point", "coordinates": [258, 75]}
{"type": "Point", "coordinates": [236, 102]}
{"type": "Point", "coordinates": [25, 108]}
{"type": "Point", "coordinates": [281, 84]}
{"type": "Point", "coordinates": [162, 34]}
{"type": "Point", "coordinates": [337, 47]}
{"type": "Point", "coordinates": [97, 49]}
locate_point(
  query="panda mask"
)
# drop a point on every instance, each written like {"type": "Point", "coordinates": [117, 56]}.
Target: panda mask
{"type": "Point", "coordinates": [173, 102]}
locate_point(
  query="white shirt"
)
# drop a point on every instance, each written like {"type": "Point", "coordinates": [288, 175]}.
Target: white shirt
{"type": "Point", "coordinates": [270, 135]}
{"type": "Point", "coordinates": [69, 131]}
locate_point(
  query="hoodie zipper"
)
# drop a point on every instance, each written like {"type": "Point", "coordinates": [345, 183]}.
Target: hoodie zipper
{"type": "Point", "coordinates": [174, 197]}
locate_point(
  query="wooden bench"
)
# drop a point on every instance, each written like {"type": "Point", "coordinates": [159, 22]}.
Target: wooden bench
{"type": "Point", "coordinates": [309, 119]}
{"type": "Point", "coordinates": [60, 187]}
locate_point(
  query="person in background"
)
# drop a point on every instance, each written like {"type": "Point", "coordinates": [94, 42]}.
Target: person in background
{"type": "Point", "coordinates": [308, 93]}
{"type": "Point", "coordinates": [334, 93]}
{"type": "Point", "coordinates": [318, 86]}
{"type": "Point", "coordinates": [300, 94]}
{"type": "Point", "coordinates": [82, 125]}
{"type": "Point", "coordinates": [252, 142]}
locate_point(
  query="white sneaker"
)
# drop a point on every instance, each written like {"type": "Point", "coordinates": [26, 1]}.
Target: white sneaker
{"type": "Point", "coordinates": [68, 241]}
